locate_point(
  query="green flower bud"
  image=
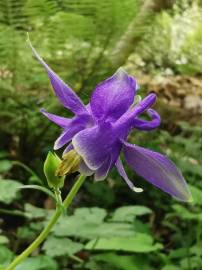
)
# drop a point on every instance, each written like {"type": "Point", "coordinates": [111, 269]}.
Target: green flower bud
{"type": "Point", "coordinates": [51, 165]}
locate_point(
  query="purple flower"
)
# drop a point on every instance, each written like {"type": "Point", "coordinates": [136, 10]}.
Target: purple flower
{"type": "Point", "coordinates": [99, 130]}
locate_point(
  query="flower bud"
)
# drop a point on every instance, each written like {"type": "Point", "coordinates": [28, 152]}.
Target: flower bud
{"type": "Point", "coordinates": [51, 165]}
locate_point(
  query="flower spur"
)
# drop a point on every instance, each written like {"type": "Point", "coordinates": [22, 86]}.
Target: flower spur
{"type": "Point", "coordinates": [98, 132]}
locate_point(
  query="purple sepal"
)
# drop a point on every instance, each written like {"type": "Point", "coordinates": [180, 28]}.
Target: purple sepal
{"type": "Point", "coordinates": [158, 170]}
{"type": "Point", "coordinates": [148, 125]}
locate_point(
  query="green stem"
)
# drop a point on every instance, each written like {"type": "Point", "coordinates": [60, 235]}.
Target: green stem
{"type": "Point", "coordinates": [49, 226]}
{"type": "Point", "coordinates": [58, 196]}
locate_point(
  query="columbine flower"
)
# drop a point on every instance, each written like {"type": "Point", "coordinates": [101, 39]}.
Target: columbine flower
{"type": "Point", "coordinates": [98, 132]}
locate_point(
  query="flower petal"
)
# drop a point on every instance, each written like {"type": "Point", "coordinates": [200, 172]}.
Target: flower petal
{"type": "Point", "coordinates": [158, 170]}
{"type": "Point", "coordinates": [121, 171]}
{"type": "Point", "coordinates": [127, 119]}
{"type": "Point", "coordinates": [148, 125]}
{"type": "Point", "coordinates": [102, 172]}
{"type": "Point", "coordinates": [58, 120]}
{"type": "Point", "coordinates": [64, 138]}
{"type": "Point", "coordinates": [94, 144]}
{"type": "Point", "coordinates": [112, 97]}
{"type": "Point", "coordinates": [83, 169]}
{"type": "Point", "coordinates": [68, 148]}
{"type": "Point", "coordinates": [65, 94]}
{"type": "Point", "coordinates": [75, 125]}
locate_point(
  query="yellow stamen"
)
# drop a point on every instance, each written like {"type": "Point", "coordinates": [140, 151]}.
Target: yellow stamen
{"type": "Point", "coordinates": [70, 163]}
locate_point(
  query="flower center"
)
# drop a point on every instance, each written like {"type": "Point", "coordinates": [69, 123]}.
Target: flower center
{"type": "Point", "coordinates": [70, 163]}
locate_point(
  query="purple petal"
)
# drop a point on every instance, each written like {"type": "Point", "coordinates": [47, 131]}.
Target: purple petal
{"type": "Point", "coordinates": [127, 119]}
{"type": "Point", "coordinates": [158, 170]}
{"type": "Point", "coordinates": [121, 171]}
{"type": "Point", "coordinates": [58, 120]}
{"type": "Point", "coordinates": [94, 144]}
{"type": "Point", "coordinates": [64, 138]}
{"type": "Point", "coordinates": [84, 169]}
{"type": "Point", "coordinates": [112, 97]}
{"type": "Point", "coordinates": [102, 172]}
{"type": "Point", "coordinates": [75, 125]}
{"type": "Point", "coordinates": [65, 94]}
{"type": "Point", "coordinates": [68, 148]}
{"type": "Point", "coordinates": [148, 125]}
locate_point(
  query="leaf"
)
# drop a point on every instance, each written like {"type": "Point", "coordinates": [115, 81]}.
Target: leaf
{"type": "Point", "coordinates": [71, 226]}
{"type": "Point", "coordinates": [196, 249]}
{"type": "Point", "coordinates": [171, 267]}
{"type": "Point", "coordinates": [93, 214]}
{"type": "Point", "coordinates": [3, 239]}
{"type": "Point", "coordinates": [5, 255]}
{"type": "Point", "coordinates": [33, 212]}
{"type": "Point", "coordinates": [139, 243]}
{"type": "Point", "coordinates": [186, 214]}
{"type": "Point", "coordinates": [38, 263]}
{"type": "Point", "coordinates": [88, 223]}
{"type": "Point", "coordinates": [25, 233]}
{"type": "Point", "coordinates": [109, 230]}
{"type": "Point", "coordinates": [123, 262]}
{"type": "Point", "coordinates": [141, 227]}
{"type": "Point", "coordinates": [197, 195]}
{"type": "Point", "coordinates": [188, 167]}
{"type": "Point", "coordinates": [8, 190]}
{"type": "Point", "coordinates": [55, 247]}
{"type": "Point", "coordinates": [5, 165]}
{"type": "Point", "coordinates": [84, 222]}
{"type": "Point", "coordinates": [128, 213]}
{"type": "Point", "coordinates": [178, 253]}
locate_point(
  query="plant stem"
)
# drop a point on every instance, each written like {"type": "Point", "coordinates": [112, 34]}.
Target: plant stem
{"type": "Point", "coordinates": [49, 226]}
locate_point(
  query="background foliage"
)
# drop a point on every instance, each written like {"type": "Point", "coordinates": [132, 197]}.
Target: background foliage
{"type": "Point", "coordinates": [84, 41]}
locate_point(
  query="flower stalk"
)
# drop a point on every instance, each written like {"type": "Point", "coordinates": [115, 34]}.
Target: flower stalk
{"type": "Point", "coordinates": [67, 201]}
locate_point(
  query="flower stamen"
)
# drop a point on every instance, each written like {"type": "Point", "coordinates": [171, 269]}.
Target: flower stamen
{"type": "Point", "coordinates": [70, 163]}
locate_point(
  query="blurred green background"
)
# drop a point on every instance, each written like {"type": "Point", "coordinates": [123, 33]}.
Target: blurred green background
{"type": "Point", "coordinates": [85, 41]}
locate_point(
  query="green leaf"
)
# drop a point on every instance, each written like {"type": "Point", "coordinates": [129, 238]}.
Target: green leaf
{"type": "Point", "coordinates": [186, 214]}
{"type": "Point", "coordinates": [33, 212]}
{"type": "Point", "coordinates": [128, 213]}
{"type": "Point", "coordinates": [123, 262]}
{"type": "Point", "coordinates": [171, 267]}
{"type": "Point", "coordinates": [55, 247]}
{"type": "Point", "coordinates": [84, 222]}
{"type": "Point", "coordinates": [8, 190]}
{"type": "Point", "coordinates": [178, 253]}
{"type": "Point", "coordinates": [109, 230]}
{"type": "Point", "coordinates": [93, 214]}
{"type": "Point", "coordinates": [3, 239]}
{"type": "Point", "coordinates": [197, 195]}
{"type": "Point", "coordinates": [71, 226]}
{"type": "Point", "coordinates": [5, 255]}
{"type": "Point", "coordinates": [25, 233]}
{"type": "Point", "coordinates": [139, 243]}
{"type": "Point", "coordinates": [38, 263]}
{"type": "Point", "coordinates": [5, 165]}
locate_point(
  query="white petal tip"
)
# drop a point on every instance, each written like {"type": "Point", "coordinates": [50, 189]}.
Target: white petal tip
{"type": "Point", "coordinates": [56, 146]}
{"type": "Point", "coordinates": [137, 190]}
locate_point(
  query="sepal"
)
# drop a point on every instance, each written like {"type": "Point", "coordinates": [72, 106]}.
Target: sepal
{"type": "Point", "coordinates": [51, 165]}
